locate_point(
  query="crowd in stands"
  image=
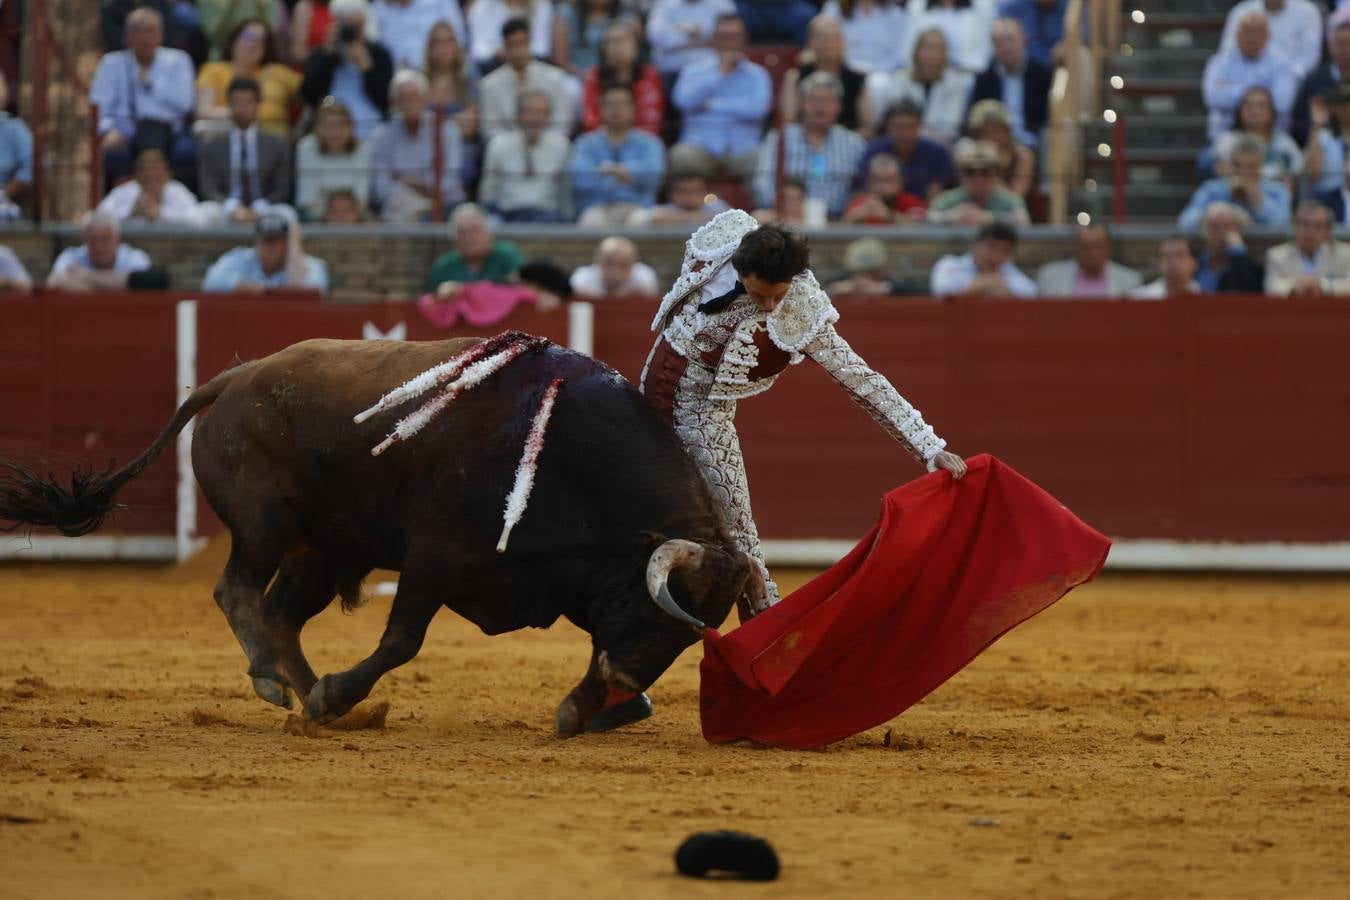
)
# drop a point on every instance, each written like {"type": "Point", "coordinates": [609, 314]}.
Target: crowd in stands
{"type": "Point", "coordinates": [621, 113]}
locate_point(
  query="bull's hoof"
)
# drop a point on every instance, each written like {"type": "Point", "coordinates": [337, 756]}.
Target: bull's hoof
{"type": "Point", "coordinates": [569, 718]}
{"type": "Point", "coordinates": [634, 709]}
{"type": "Point", "coordinates": [273, 691]}
{"type": "Point", "coordinates": [322, 705]}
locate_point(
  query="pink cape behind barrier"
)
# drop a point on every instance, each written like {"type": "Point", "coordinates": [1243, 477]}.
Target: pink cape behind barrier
{"type": "Point", "coordinates": [950, 567]}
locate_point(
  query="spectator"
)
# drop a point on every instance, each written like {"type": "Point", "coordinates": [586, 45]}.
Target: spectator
{"type": "Point", "coordinates": [332, 158]}
{"type": "Point", "coordinates": [616, 272]}
{"type": "Point", "coordinates": [1324, 161]}
{"type": "Point", "coordinates": [153, 196]}
{"type": "Point", "coordinates": [989, 121]}
{"type": "Point", "coordinates": [144, 95]}
{"type": "Point", "coordinates": [453, 91]}
{"type": "Point", "coordinates": [1266, 202]}
{"type": "Point", "coordinates": [502, 91]}
{"type": "Point", "coordinates": [987, 270]}
{"type": "Point", "coordinates": [1328, 75]}
{"type": "Point", "coordinates": [825, 53]}
{"type": "Point", "coordinates": [249, 54]}
{"type": "Point", "coordinates": [1295, 30]}
{"type": "Point", "coordinates": [820, 151]}
{"type": "Point", "coordinates": [681, 33]}
{"type": "Point", "coordinates": [350, 67]}
{"type": "Point", "coordinates": [1250, 61]}
{"type": "Point", "coordinates": [487, 29]}
{"type": "Point", "coordinates": [1020, 82]}
{"type": "Point", "coordinates": [884, 201]}
{"type": "Point", "coordinates": [619, 63]}
{"type": "Point", "coordinates": [927, 165]}
{"type": "Point", "coordinates": [968, 25]}
{"type": "Point", "coordinates": [245, 172]}
{"type": "Point", "coordinates": [585, 22]}
{"type": "Point", "coordinates": [16, 157]}
{"type": "Point", "coordinates": [791, 206]}
{"type": "Point", "coordinates": [980, 199]}
{"type": "Point", "coordinates": [100, 263]}
{"type": "Point", "coordinates": [1224, 266]}
{"type": "Point", "coordinates": [14, 278]}
{"type": "Point", "coordinates": [220, 18]}
{"type": "Point", "coordinates": [403, 26]}
{"type": "Point", "coordinates": [1313, 264]}
{"type": "Point", "coordinates": [275, 261]}
{"type": "Point", "coordinates": [342, 207]}
{"type": "Point", "coordinates": [777, 21]}
{"type": "Point", "coordinates": [616, 169]}
{"type": "Point", "coordinates": [938, 89]}
{"type": "Point", "coordinates": [309, 27]}
{"type": "Point", "coordinates": [478, 256]}
{"type": "Point", "coordinates": [1256, 117]}
{"type": "Point", "coordinates": [1091, 273]}
{"type": "Point", "coordinates": [1176, 271]}
{"type": "Point", "coordinates": [182, 25]}
{"type": "Point", "coordinates": [403, 155]}
{"type": "Point", "coordinates": [875, 31]}
{"type": "Point", "coordinates": [525, 171]}
{"type": "Point", "coordinates": [1338, 200]}
{"type": "Point", "coordinates": [1042, 22]}
{"type": "Point", "coordinates": [865, 265]}
{"type": "Point", "coordinates": [690, 203]}
{"type": "Point", "coordinates": [724, 102]}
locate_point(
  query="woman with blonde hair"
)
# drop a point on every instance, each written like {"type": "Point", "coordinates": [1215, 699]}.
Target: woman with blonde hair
{"type": "Point", "coordinates": [452, 79]}
{"type": "Point", "coordinates": [939, 88]}
{"type": "Point", "coordinates": [332, 158]}
{"type": "Point", "coordinates": [989, 121]}
{"type": "Point", "coordinates": [825, 52]}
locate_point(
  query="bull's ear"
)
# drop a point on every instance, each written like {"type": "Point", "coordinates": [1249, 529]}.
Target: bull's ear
{"type": "Point", "coordinates": [648, 541]}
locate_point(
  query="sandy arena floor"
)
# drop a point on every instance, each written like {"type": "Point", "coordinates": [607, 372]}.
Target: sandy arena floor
{"type": "Point", "coordinates": [1147, 737]}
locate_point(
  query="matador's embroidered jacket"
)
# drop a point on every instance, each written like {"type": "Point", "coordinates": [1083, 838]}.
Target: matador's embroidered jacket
{"type": "Point", "coordinates": [702, 363]}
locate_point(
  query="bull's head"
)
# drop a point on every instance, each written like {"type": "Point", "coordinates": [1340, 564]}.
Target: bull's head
{"type": "Point", "coordinates": [700, 576]}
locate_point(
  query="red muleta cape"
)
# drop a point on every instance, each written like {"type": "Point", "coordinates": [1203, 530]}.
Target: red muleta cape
{"type": "Point", "coordinates": [950, 567]}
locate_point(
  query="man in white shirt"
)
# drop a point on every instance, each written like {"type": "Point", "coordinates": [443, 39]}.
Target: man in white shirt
{"type": "Point", "coordinates": [680, 32]}
{"type": "Point", "coordinates": [1295, 30]}
{"type": "Point", "coordinates": [616, 272]}
{"type": "Point", "coordinates": [101, 263]}
{"type": "Point", "coordinates": [403, 27]}
{"type": "Point", "coordinates": [153, 196]}
{"type": "Point", "coordinates": [500, 92]}
{"type": "Point", "coordinates": [1313, 264]}
{"type": "Point", "coordinates": [987, 270]}
{"type": "Point", "coordinates": [1249, 62]}
{"type": "Point", "coordinates": [525, 171]}
{"type": "Point", "coordinates": [1177, 267]}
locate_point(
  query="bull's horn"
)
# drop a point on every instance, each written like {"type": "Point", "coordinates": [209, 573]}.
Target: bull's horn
{"type": "Point", "coordinates": [676, 554]}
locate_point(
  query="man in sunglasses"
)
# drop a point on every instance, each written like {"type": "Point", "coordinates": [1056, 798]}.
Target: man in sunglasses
{"type": "Point", "coordinates": [982, 197]}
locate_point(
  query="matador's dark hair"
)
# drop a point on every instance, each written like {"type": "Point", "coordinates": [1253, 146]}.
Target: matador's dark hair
{"type": "Point", "coordinates": [773, 253]}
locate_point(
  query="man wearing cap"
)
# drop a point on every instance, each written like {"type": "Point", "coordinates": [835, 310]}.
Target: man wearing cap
{"type": "Point", "coordinates": [981, 198]}
{"type": "Point", "coordinates": [276, 260]}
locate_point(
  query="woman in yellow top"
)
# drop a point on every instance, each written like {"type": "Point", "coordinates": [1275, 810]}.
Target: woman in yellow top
{"type": "Point", "coordinates": [250, 52]}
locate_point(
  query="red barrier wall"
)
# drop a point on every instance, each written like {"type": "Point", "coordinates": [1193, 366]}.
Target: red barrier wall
{"type": "Point", "coordinates": [1222, 419]}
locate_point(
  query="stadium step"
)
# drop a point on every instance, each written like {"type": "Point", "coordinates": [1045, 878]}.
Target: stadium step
{"type": "Point", "coordinates": [1188, 61]}
{"type": "Point", "coordinates": [1157, 96]}
{"type": "Point", "coordinates": [1144, 203]}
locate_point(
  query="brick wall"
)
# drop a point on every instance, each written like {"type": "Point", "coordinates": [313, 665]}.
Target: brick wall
{"type": "Point", "coordinates": [387, 263]}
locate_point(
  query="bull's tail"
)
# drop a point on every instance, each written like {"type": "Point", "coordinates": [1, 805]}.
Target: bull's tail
{"type": "Point", "coordinates": [32, 497]}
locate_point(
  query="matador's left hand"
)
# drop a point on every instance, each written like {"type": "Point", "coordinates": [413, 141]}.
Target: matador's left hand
{"type": "Point", "coordinates": [951, 462]}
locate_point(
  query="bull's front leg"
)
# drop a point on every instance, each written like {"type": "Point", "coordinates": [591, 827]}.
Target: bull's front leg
{"type": "Point", "coordinates": [585, 700]}
{"type": "Point", "coordinates": [418, 598]}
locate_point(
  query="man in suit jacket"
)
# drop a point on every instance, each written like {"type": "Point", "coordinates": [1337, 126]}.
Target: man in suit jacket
{"type": "Point", "coordinates": [247, 171]}
{"type": "Point", "coordinates": [1313, 263]}
{"type": "Point", "coordinates": [1021, 83]}
{"type": "Point", "coordinates": [1091, 273]}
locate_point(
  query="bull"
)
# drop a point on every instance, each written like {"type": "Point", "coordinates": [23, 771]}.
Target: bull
{"type": "Point", "coordinates": [618, 517]}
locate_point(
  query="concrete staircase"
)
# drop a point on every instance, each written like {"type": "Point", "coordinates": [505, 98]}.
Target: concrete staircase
{"type": "Point", "coordinates": [1158, 97]}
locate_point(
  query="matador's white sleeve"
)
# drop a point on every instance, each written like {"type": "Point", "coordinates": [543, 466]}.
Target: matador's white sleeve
{"type": "Point", "coordinates": [873, 392]}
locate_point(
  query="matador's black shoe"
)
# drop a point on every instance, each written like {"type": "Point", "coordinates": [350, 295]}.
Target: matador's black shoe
{"type": "Point", "coordinates": [620, 711]}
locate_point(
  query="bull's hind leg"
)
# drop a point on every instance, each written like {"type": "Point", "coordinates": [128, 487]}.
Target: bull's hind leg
{"type": "Point", "coordinates": [304, 587]}
{"type": "Point", "coordinates": [420, 595]}
{"type": "Point", "coordinates": [239, 595]}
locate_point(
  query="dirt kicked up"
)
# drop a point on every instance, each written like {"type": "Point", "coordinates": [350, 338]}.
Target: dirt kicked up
{"type": "Point", "coordinates": [1147, 737]}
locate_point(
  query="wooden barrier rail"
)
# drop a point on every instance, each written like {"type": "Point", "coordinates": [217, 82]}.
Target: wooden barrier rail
{"type": "Point", "coordinates": [1208, 420]}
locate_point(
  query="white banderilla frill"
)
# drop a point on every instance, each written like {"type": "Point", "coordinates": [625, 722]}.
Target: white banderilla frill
{"type": "Point", "coordinates": [519, 497]}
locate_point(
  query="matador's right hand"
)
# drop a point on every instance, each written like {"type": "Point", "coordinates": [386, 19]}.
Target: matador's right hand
{"type": "Point", "coordinates": [951, 462]}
